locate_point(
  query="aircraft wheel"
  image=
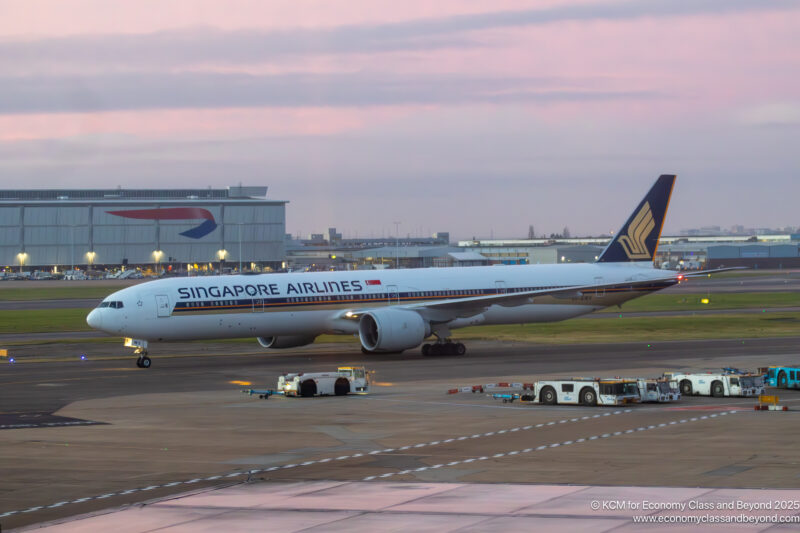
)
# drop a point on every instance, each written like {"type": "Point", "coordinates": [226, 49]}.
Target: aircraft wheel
{"type": "Point", "coordinates": [426, 350]}
{"type": "Point", "coordinates": [139, 362]}
{"type": "Point", "coordinates": [460, 349]}
{"type": "Point", "coordinates": [146, 362]}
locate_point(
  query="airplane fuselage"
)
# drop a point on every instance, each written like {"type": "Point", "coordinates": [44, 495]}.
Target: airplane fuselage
{"type": "Point", "coordinates": [309, 304]}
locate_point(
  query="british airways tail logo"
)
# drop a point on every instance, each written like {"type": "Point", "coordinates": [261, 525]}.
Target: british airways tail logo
{"type": "Point", "coordinates": [175, 213]}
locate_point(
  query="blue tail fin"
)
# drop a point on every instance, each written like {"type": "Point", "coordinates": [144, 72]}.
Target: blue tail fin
{"type": "Point", "coordinates": [638, 238]}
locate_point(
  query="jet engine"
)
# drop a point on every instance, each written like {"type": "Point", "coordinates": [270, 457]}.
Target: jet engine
{"type": "Point", "coordinates": [277, 343]}
{"type": "Point", "coordinates": [391, 330]}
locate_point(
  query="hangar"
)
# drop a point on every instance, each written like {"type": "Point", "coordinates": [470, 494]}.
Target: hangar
{"type": "Point", "coordinates": [97, 228]}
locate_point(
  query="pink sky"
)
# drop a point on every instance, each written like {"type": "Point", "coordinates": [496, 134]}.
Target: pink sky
{"type": "Point", "coordinates": [301, 95]}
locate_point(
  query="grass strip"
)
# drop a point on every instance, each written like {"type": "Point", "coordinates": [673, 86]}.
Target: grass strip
{"type": "Point", "coordinates": [56, 293]}
{"type": "Point", "coordinates": [43, 320]}
{"type": "Point", "coordinates": [643, 329]}
{"type": "Point", "coordinates": [693, 302]}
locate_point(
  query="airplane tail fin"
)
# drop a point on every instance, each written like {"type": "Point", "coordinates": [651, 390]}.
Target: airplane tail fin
{"type": "Point", "coordinates": [638, 238]}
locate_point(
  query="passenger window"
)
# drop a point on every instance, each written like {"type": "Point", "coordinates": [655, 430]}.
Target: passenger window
{"type": "Point", "coordinates": [567, 387]}
{"type": "Point", "coordinates": [792, 375]}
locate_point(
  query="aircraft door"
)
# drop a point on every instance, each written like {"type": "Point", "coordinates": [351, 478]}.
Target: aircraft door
{"type": "Point", "coordinates": [162, 305]}
{"type": "Point", "coordinates": [598, 280]}
{"type": "Point", "coordinates": [393, 294]}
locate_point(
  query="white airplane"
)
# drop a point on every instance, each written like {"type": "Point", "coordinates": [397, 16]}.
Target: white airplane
{"type": "Point", "coordinates": [391, 310]}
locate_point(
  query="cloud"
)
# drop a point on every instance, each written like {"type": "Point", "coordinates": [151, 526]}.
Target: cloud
{"type": "Point", "coordinates": [135, 91]}
{"type": "Point", "coordinates": [772, 114]}
{"type": "Point", "coordinates": [207, 45]}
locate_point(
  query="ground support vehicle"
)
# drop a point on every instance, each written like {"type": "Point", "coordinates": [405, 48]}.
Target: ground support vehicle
{"type": "Point", "coordinates": [658, 390]}
{"type": "Point", "coordinates": [716, 384]}
{"type": "Point", "coordinates": [586, 391]}
{"type": "Point", "coordinates": [487, 386]}
{"type": "Point", "coordinates": [346, 380]}
{"type": "Point", "coordinates": [264, 394]}
{"type": "Point", "coordinates": [510, 397]}
{"type": "Point", "coordinates": [783, 377]}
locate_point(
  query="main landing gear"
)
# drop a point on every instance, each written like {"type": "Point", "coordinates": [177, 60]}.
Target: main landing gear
{"type": "Point", "coordinates": [443, 344]}
{"type": "Point", "coordinates": [443, 348]}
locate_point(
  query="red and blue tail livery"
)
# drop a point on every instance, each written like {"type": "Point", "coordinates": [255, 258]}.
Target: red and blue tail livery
{"type": "Point", "coordinates": [175, 213]}
{"type": "Point", "coordinates": [638, 238]}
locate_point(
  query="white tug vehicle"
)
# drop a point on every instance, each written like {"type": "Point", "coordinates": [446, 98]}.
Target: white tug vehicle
{"type": "Point", "coordinates": [587, 391]}
{"type": "Point", "coordinates": [717, 384]}
{"type": "Point", "coordinates": [346, 380]}
{"type": "Point", "coordinates": [658, 390]}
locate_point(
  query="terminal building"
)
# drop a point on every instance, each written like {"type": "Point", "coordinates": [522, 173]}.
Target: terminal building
{"type": "Point", "coordinates": [161, 229]}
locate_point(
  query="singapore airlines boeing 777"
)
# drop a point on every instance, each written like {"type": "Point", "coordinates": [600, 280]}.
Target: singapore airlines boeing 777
{"type": "Point", "coordinates": [391, 310]}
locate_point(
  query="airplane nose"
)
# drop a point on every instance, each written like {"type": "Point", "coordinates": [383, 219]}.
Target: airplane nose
{"type": "Point", "coordinates": [95, 319]}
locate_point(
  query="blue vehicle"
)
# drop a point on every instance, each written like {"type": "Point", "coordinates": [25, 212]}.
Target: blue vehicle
{"type": "Point", "coordinates": [783, 377]}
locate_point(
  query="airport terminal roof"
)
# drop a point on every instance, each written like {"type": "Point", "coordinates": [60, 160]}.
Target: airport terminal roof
{"type": "Point", "coordinates": [236, 192]}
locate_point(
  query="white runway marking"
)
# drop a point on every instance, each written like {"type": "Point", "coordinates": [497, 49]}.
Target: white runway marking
{"type": "Point", "coordinates": [545, 446]}
{"type": "Point", "coordinates": [328, 459]}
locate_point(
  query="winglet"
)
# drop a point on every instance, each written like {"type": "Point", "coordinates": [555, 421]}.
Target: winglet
{"type": "Point", "coordinates": [638, 238]}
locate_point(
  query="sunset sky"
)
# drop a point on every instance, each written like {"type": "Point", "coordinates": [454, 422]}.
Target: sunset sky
{"type": "Point", "coordinates": [471, 116]}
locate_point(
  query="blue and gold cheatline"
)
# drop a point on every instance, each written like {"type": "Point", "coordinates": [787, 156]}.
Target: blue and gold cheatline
{"type": "Point", "coordinates": [328, 301]}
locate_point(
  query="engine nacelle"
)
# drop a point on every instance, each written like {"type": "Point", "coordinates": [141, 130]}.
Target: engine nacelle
{"type": "Point", "coordinates": [391, 330]}
{"type": "Point", "coordinates": [276, 343]}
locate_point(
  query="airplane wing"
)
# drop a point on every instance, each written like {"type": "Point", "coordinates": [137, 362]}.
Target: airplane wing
{"type": "Point", "coordinates": [446, 310]}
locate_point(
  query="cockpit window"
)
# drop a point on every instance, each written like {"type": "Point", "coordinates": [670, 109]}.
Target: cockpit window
{"type": "Point", "coordinates": [113, 305]}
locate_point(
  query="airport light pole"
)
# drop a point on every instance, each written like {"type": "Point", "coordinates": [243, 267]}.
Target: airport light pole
{"type": "Point", "coordinates": [397, 244]}
{"type": "Point", "coordinates": [157, 256]}
{"type": "Point", "coordinates": [72, 246]}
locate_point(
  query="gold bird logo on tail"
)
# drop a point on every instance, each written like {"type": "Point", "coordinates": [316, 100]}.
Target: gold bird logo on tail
{"type": "Point", "coordinates": [640, 227]}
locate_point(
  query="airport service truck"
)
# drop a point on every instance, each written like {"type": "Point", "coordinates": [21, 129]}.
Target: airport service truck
{"type": "Point", "coordinates": [658, 390]}
{"type": "Point", "coordinates": [586, 391]}
{"type": "Point", "coordinates": [346, 380]}
{"type": "Point", "coordinates": [716, 384]}
{"type": "Point", "coordinates": [783, 377]}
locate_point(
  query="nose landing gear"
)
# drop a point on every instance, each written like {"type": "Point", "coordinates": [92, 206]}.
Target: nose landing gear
{"type": "Point", "coordinates": [141, 350]}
